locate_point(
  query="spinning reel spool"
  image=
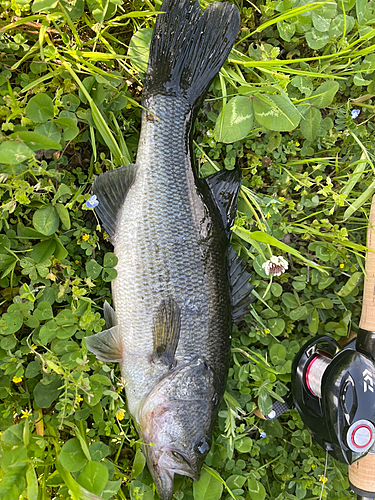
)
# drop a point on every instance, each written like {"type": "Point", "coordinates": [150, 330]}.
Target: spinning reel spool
{"type": "Point", "coordinates": [334, 389]}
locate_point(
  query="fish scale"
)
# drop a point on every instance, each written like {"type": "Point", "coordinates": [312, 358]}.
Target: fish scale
{"type": "Point", "coordinates": [156, 272]}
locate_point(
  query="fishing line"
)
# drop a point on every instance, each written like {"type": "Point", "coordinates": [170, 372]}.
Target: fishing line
{"type": "Point", "coordinates": [324, 476]}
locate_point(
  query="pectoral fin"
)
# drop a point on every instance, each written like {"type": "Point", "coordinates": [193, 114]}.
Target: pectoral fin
{"type": "Point", "coordinates": [106, 345]}
{"type": "Point", "coordinates": [111, 189]}
{"type": "Point", "coordinates": [166, 331]}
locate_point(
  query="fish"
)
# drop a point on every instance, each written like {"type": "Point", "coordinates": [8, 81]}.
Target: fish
{"type": "Point", "coordinates": [180, 284]}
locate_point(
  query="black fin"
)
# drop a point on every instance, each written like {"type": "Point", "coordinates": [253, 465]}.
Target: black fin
{"type": "Point", "coordinates": [240, 287]}
{"type": "Point", "coordinates": [166, 331]}
{"type": "Point", "coordinates": [187, 50]}
{"type": "Point", "coordinates": [224, 187]}
{"type": "Point", "coordinates": [106, 345]}
{"type": "Point", "coordinates": [110, 189]}
{"type": "Point", "coordinates": [109, 315]}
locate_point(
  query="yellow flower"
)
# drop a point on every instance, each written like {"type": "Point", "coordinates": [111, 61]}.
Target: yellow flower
{"type": "Point", "coordinates": [282, 198]}
{"type": "Point", "coordinates": [268, 215]}
{"type": "Point", "coordinates": [120, 414]}
{"type": "Point", "coordinates": [26, 413]}
{"type": "Point", "coordinates": [85, 237]}
{"type": "Point", "coordinates": [79, 398]}
{"type": "Point", "coordinates": [322, 478]}
{"type": "Point", "coordinates": [76, 262]}
{"type": "Point", "coordinates": [267, 331]}
{"type": "Point", "coordinates": [128, 106]}
{"type": "Point", "coordinates": [297, 143]}
{"type": "Point", "coordinates": [313, 466]}
{"type": "Point", "coordinates": [342, 266]}
{"type": "Point", "coordinates": [16, 380]}
{"type": "Point", "coordinates": [119, 389]}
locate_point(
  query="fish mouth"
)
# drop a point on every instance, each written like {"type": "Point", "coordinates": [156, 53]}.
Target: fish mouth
{"type": "Point", "coordinates": [164, 464]}
{"type": "Point", "coordinates": [178, 462]}
{"type": "Point", "coordinates": [162, 477]}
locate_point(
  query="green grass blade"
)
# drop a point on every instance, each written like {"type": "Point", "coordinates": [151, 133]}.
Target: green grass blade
{"type": "Point", "coordinates": [28, 54]}
{"type": "Point", "coordinates": [217, 476]}
{"type": "Point", "coordinates": [297, 11]}
{"type": "Point", "coordinates": [124, 148]}
{"type": "Point", "coordinates": [40, 80]}
{"type": "Point", "coordinates": [99, 121]}
{"type": "Point", "coordinates": [364, 150]}
{"type": "Point", "coordinates": [71, 25]}
{"type": "Point", "coordinates": [270, 240]}
{"type": "Point", "coordinates": [303, 228]}
{"type": "Point", "coordinates": [24, 20]}
{"type": "Point", "coordinates": [93, 142]}
{"type": "Point", "coordinates": [355, 176]}
{"type": "Point", "coordinates": [359, 202]}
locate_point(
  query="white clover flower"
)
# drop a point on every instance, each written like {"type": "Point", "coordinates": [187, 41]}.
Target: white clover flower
{"type": "Point", "coordinates": [276, 266]}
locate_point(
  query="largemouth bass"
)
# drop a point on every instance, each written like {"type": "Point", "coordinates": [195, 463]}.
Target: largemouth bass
{"type": "Point", "coordinates": [179, 284]}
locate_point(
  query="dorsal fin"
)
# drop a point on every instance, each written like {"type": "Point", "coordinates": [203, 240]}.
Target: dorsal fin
{"type": "Point", "coordinates": [240, 287]}
{"type": "Point", "coordinates": [110, 189]}
{"type": "Point", "coordinates": [166, 331]}
{"type": "Point", "coordinates": [224, 187]}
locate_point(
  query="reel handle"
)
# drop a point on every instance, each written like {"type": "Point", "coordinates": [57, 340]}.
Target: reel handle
{"type": "Point", "coordinates": [361, 473]}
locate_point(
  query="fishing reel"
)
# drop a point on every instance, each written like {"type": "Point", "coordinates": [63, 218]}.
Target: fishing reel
{"type": "Point", "coordinates": [334, 388]}
{"type": "Point", "coordinates": [334, 391]}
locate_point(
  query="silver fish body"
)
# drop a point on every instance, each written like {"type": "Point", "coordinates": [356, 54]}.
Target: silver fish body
{"type": "Point", "coordinates": [179, 282]}
{"type": "Point", "coordinates": [169, 244]}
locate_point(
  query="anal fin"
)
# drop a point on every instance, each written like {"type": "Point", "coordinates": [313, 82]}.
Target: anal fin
{"type": "Point", "coordinates": [106, 345]}
{"type": "Point", "coordinates": [111, 189]}
{"type": "Point", "coordinates": [166, 331]}
{"type": "Point", "coordinates": [240, 287]}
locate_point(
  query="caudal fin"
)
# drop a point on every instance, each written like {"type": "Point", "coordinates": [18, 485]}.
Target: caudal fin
{"type": "Point", "coordinates": [187, 50]}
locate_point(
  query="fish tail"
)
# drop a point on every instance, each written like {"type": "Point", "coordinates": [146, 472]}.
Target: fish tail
{"type": "Point", "coordinates": [188, 49]}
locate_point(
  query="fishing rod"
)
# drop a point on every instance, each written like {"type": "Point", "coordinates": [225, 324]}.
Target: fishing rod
{"type": "Point", "coordinates": [333, 389]}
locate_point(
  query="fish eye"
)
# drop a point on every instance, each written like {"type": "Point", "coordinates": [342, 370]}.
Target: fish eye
{"type": "Point", "coordinates": [203, 446]}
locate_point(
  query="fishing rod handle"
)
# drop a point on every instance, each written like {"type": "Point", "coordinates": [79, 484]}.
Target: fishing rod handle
{"type": "Point", "coordinates": [361, 473]}
{"type": "Point", "coordinates": [362, 477]}
{"type": "Point", "coordinates": [367, 321]}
